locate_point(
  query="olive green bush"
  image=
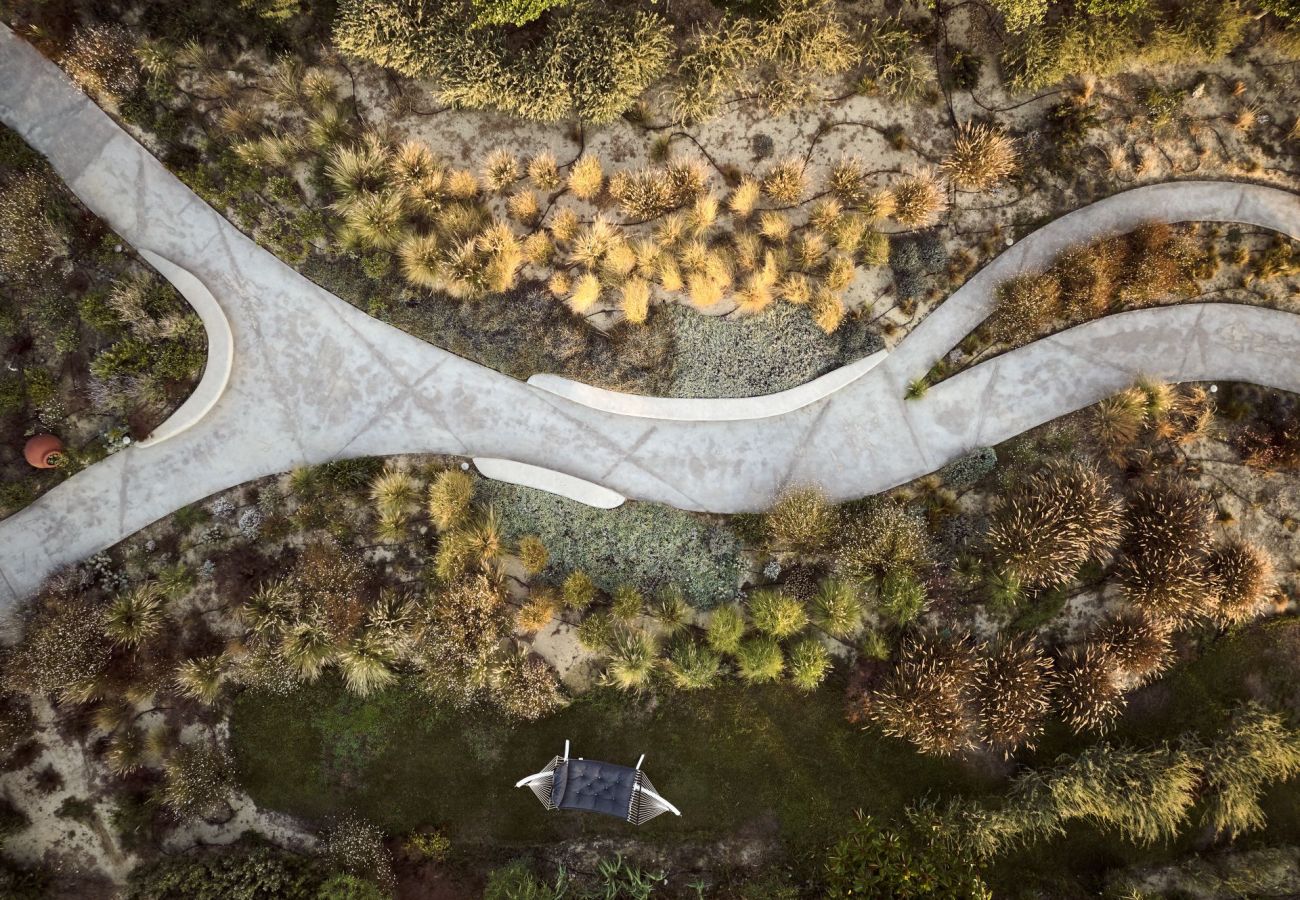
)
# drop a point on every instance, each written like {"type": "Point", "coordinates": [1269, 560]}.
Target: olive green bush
{"type": "Point", "coordinates": [589, 62]}
{"type": "Point", "coordinates": [1132, 36]}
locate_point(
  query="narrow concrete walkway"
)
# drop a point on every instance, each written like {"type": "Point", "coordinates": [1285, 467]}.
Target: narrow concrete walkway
{"type": "Point", "coordinates": [315, 379]}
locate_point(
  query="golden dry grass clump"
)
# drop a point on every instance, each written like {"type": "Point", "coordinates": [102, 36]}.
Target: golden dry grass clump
{"type": "Point", "coordinates": [1015, 691]}
{"type": "Point", "coordinates": [786, 182]}
{"type": "Point", "coordinates": [928, 698]}
{"type": "Point", "coordinates": [802, 519]}
{"type": "Point", "coordinates": [918, 199]}
{"type": "Point", "coordinates": [1162, 565]}
{"type": "Point", "coordinates": [981, 156]}
{"type": "Point", "coordinates": [1053, 522]}
{"type": "Point", "coordinates": [586, 178]}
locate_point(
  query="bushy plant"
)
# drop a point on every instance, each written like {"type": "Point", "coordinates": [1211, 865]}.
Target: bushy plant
{"type": "Point", "coordinates": [1051, 523]}
{"type": "Point", "coordinates": [63, 652]}
{"type": "Point", "coordinates": [197, 781]}
{"type": "Point", "coordinates": [980, 157]}
{"type": "Point", "coordinates": [927, 699]}
{"type": "Point", "coordinates": [802, 519]}
{"type": "Point", "coordinates": [1015, 691]}
{"type": "Point", "coordinates": [776, 614]}
{"type": "Point", "coordinates": [759, 660]}
{"type": "Point", "coordinates": [587, 61]}
{"type": "Point", "coordinates": [1162, 564]}
{"type": "Point", "coordinates": [633, 659]}
{"type": "Point", "coordinates": [868, 861]}
{"type": "Point", "coordinates": [886, 538]}
{"type": "Point", "coordinates": [1257, 750]}
{"type": "Point", "coordinates": [245, 870]}
{"type": "Point", "coordinates": [725, 629]}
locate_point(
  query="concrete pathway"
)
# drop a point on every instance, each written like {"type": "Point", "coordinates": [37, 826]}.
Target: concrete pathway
{"type": "Point", "coordinates": [315, 379]}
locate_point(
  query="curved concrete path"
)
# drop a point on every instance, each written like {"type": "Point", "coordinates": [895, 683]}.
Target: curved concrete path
{"type": "Point", "coordinates": [315, 379]}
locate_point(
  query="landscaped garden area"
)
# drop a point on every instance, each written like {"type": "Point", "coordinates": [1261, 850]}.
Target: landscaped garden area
{"type": "Point", "coordinates": [1061, 666]}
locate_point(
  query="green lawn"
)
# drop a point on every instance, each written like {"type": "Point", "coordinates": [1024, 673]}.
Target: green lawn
{"type": "Point", "coordinates": [735, 759]}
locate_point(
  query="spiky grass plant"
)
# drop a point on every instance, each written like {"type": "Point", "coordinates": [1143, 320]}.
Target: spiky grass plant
{"type": "Point", "coordinates": [776, 614]}
{"type": "Point", "coordinates": [1117, 421]}
{"type": "Point", "coordinates": [586, 178]}
{"type": "Point", "coordinates": [1089, 694]}
{"type": "Point", "coordinates": [462, 184]}
{"type": "Point", "coordinates": [533, 554]}
{"type": "Point", "coordinates": [537, 613]}
{"type": "Point", "coordinates": [451, 497]}
{"type": "Point", "coordinates": [133, 617]}
{"type": "Point", "coordinates": [634, 300]}
{"type": "Point", "coordinates": [585, 295]}
{"type": "Point", "coordinates": [1242, 579]}
{"type": "Point", "coordinates": [759, 660]}
{"type": "Point", "coordinates": [375, 221]}
{"type": "Point", "coordinates": [485, 537]}
{"type": "Point", "coordinates": [269, 608]}
{"type": "Point", "coordinates": [627, 603]}
{"type": "Point", "coordinates": [693, 666]}
{"type": "Point", "coordinates": [596, 632]}
{"type": "Point", "coordinates": [358, 171]}
{"type": "Point", "coordinates": [544, 172]}
{"type": "Point", "coordinates": [126, 751]}
{"type": "Point", "coordinates": [981, 156]}
{"type": "Point", "coordinates": [744, 198]}
{"type": "Point", "coordinates": [918, 199]}
{"type": "Point", "coordinates": [633, 659]}
{"type": "Point", "coordinates": [523, 207]}
{"type": "Point", "coordinates": [578, 590]}
{"type": "Point", "coordinates": [500, 170]}
{"type": "Point", "coordinates": [394, 492]}
{"type": "Point", "coordinates": [307, 650]}
{"type": "Point", "coordinates": [803, 520]}
{"type": "Point", "coordinates": [929, 697]}
{"type": "Point", "coordinates": [420, 255]}
{"type": "Point", "coordinates": [367, 664]}
{"type": "Point", "coordinates": [786, 182]}
{"type": "Point", "coordinates": [202, 677]}
{"type": "Point", "coordinates": [848, 181]}
{"type": "Point", "coordinates": [1053, 522]}
{"type": "Point", "coordinates": [810, 663]}
{"type": "Point", "coordinates": [725, 628]}
{"type": "Point", "coordinates": [671, 611]}
{"type": "Point", "coordinates": [1015, 691]}
{"type": "Point", "coordinates": [837, 607]}
{"type": "Point", "coordinates": [1136, 645]}
{"type": "Point", "coordinates": [1162, 566]}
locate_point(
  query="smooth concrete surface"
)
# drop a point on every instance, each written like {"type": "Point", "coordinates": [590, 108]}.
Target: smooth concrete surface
{"type": "Point", "coordinates": [691, 409]}
{"type": "Point", "coordinates": [221, 352]}
{"type": "Point", "coordinates": [549, 480]}
{"type": "Point", "coordinates": [314, 379]}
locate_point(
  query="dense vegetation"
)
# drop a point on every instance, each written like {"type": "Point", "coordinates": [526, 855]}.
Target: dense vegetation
{"type": "Point", "coordinates": [98, 348]}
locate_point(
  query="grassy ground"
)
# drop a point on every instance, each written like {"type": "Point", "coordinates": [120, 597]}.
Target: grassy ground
{"type": "Point", "coordinates": [761, 762]}
{"type": "Point", "coordinates": [739, 761]}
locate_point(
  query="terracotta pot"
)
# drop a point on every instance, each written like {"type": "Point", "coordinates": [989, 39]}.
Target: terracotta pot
{"type": "Point", "coordinates": [43, 451]}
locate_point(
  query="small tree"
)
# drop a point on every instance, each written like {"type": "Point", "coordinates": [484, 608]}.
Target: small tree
{"type": "Point", "coordinates": [1090, 697]}
{"type": "Point", "coordinates": [928, 698]}
{"type": "Point", "coordinates": [1162, 565]}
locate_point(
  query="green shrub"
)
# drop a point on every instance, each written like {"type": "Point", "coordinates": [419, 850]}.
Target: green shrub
{"type": "Point", "coordinates": [759, 660]}
{"type": "Point", "coordinates": [871, 862]}
{"type": "Point", "coordinates": [588, 61]}
{"type": "Point", "coordinates": [512, 12]}
{"type": "Point", "coordinates": [247, 872]}
{"type": "Point", "coordinates": [901, 597]}
{"type": "Point", "coordinates": [777, 614]}
{"type": "Point", "coordinates": [726, 628]}
{"type": "Point", "coordinates": [517, 882]}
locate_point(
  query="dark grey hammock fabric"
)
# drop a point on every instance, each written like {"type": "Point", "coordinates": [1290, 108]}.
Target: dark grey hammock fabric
{"type": "Point", "coordinates": [594, 786]}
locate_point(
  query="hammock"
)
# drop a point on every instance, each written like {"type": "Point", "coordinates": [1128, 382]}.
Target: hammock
{"type": "Point", "coordinates": [587, 784]}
